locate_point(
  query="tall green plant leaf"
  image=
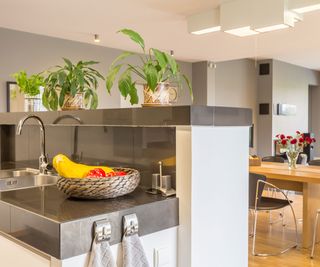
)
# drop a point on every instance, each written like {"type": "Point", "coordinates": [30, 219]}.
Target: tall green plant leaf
{"type": "Point", "coordinates": [151, 76]}
{"type": "Point", "coordinates": [121, 57]}
{"type": "Point", "coordinates": [189, 85]}
{"type": "Point", "coordinates": [68, 62]}
{"type": "Point", "coordinates": [134, 36]}
{"type": "Point", "coordinates": [111, 76]}
{"type": "Point", "coordinates": [160, 57]}
{"type": "Point", "coordinates": [125, 83]}
{"type": "Point", "coordinates": [134, 99]}
{"type": "Point", "coordinates": [172, 63]}
{"type": "Point", "coordinates": [91, 62]}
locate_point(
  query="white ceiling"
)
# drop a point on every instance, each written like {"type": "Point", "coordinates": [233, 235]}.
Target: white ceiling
{"type": "Point", "coordinates": [162, 23]}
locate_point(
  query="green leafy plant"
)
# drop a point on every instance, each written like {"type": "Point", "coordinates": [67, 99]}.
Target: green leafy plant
{"type": "Point", "coordinates": [71, 79]}
{"type": "Point", "coordinates": [156, 67]}
{"type": "Point", "coordinates": [29, 85]}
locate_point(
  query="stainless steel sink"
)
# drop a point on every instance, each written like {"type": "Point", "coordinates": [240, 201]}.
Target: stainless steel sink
{"type": "Point", "coordinates": [24, 178]}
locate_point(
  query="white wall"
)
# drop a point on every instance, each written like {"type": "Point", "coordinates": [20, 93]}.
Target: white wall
{"type": "Point", "coordinates": [35, 53]}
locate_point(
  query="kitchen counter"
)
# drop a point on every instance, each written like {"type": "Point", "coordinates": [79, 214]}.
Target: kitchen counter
{"type": "Point", "coordinates": [47, 220]}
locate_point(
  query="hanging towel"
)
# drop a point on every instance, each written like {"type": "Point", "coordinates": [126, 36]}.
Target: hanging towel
{"type": "Point", "coordinates": [101, 255]}
{"type": "Point", "coordinates": [133, 252]}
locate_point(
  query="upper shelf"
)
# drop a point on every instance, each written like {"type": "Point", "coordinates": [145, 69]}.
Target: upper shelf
{"type": "Point", "coordinates": [151, 116]}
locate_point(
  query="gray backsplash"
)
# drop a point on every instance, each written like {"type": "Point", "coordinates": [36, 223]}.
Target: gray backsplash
{"type": "Point", "coordinates": [137, 147]}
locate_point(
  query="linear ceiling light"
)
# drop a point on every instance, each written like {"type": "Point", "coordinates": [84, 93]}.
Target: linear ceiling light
{"type": "Point", "coordinates": [271, 15]}
{"type": "Point", "coordinates": [235, 18]}
{"type": "Point", "coordinates": [204, 22]}
{"type": "Point", "coordinates": [304, 6]}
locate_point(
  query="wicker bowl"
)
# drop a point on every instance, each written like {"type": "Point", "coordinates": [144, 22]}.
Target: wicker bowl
{"type": "Point", "coordinates": [100, 188]}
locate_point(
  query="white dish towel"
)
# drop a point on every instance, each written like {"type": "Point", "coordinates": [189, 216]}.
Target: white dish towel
{"type": "Point", "coordinates": [133, 252]}
{"type": "Point", "coordinates": [101, 255]}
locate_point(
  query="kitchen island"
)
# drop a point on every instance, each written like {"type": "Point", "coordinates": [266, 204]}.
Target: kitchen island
{"type": "Point", "coordinates": [195, 144]}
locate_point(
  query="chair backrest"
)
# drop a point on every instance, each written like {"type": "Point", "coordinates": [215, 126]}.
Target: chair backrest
{"type": "Point", "coordinates": [273, 159]}
{"type": "Point", "coordinates": [253, 180]}
{"type": "Point", "coordinates": [315, 162]}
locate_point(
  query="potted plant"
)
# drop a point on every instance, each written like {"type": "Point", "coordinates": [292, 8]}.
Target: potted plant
{"type": "Point", "coordinates": [293, 146]}
{"type": "Point", "coordinates": [30, 87]}
{"type": "Point", "coordinates": [158, 71]}
{"type": "Point", "coordinates": [72, 86]}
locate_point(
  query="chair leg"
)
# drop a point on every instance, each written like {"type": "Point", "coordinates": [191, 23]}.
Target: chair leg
{"type": "Point", "coordinates": [274, 254]}
{"type": "Point", "coordinates": [314, 235]}
{"type": "Point", "coordinates": [254, 232]}
{"type": "Point", "coordinates": [251, 218]}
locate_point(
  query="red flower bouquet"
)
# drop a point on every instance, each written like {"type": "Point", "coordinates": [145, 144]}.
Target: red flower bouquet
{"type": "Point", "coordinates": [293, 146]}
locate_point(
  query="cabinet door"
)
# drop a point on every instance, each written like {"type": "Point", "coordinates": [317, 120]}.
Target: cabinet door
{"type": "Point", "coordinates": [14, 255]}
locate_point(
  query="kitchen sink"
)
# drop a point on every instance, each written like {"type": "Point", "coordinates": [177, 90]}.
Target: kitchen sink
{"type": "Point", "coordinates": [24, 178]}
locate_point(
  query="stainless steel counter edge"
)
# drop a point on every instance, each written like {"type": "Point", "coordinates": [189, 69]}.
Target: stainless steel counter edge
{"type": "Point", "coordinates": [72, 238]}
{"type": "Point", "coordinates": [151, 116]}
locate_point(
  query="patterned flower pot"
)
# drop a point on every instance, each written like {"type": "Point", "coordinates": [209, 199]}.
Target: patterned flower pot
{"type": "Point", "coordinates": [163, 95]}
{"type": "Point", "coordinates": [73, 103]}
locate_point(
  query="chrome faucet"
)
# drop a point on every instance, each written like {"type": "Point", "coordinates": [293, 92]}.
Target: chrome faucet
{"type": "Point", "coordinates": [75, 156]}
{"type": "Point", "coordinates": [43, 160]}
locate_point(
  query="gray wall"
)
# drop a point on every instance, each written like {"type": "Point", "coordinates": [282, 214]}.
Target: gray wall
{"type": "Point", "coordinates": [314, 116]}
{"type": "Point", "coordinates": [236, 86]}
{"type": "Point", "coordinates": [291, 86]}
{"type": "Point", "coordinates": [230, 83]}
{"type": "Point", "coordinates": [35, 53]}
{"type": "Point", "coordinates": [286, 84]}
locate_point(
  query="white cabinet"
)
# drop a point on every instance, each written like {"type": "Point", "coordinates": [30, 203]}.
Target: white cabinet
{"type": "Point", "coordinates": [160, 247]}
{"type": "Point", "coordinates": [15, 255]}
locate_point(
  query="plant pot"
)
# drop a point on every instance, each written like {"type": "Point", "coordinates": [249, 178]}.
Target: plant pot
{"type": "Point", "coordinates": [32, 103]}
{"type": "Point", "coordinates": [163, 95]}
{"type": "Point", "coordinates": [73, 102]}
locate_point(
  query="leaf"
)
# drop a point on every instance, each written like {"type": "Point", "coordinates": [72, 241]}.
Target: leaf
{"type": "Point", "coordinates": [172, 63]}
{"type": "Point", "coordinates": [161, 57]}
{"type": "Point", "coordinates": [189, 85]}
{"type": "Point", "coordinates": [91, 62]}
{"type": "Point", "coordinates": [62, 78]}
{"type": "Point", "coordinates": [125, 84]}
{"type": "Point", "coordinates": [151, 76]}
{"type": "Point", "coordinates": [134, 36]}
{"type": "Point", "coordinates": [121, 57]}
{"type": "Point", "coordinates": [111, 76]}
{"type": "Point", "coordinates": [134, 99]}
{"type": "Point", "coordinates": [45, 99]}
{"type": "Point", "coordinates": [62, 96]}
{"type": "Point", "coordinates": [73, 88]}
{"type": "Point", "coordinates": [94, 100]}
{"type": "Point", "coordinates": [68, 62]}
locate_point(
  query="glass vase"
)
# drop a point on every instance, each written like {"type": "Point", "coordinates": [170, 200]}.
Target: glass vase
{"type": "Point", "coordinates": [292, 156]}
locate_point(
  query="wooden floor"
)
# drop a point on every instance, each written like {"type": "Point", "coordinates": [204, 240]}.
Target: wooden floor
{"type": "Point", "coordinates": [270, 238]}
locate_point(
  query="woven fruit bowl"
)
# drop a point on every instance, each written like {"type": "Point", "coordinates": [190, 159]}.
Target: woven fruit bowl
{"type": "Point", "coordinates": [100, 188]}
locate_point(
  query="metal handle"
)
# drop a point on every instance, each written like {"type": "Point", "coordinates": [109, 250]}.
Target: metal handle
{"type": "Point", "coordinates": [130, 224]}
{"type": "Point", "coordinates": [102, 230]}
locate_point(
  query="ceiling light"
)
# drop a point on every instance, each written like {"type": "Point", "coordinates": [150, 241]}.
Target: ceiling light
{"type": "Point", "coordinates": [235, 18]}
{"type": "Point", "coordinates": [242, 32]}
{"type": "Point", "coordinates": [272, 28]}
{"type": "Point", "coordinates": [96, 38]}
{"type": "Point", "coordinates": [272, 15]}
{"type": "Point", "coordinates": [208, 30]}
{"type": "Point", "coordinates": [304, 6]}
{"type": "Point", "coordinates": [204, 22]}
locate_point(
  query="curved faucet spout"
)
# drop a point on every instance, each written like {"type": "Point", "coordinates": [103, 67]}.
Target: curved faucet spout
{"type": "Point", "coordinates": [43, 161]}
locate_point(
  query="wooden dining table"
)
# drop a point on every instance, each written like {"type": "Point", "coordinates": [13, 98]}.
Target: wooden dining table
{"type": "Point", "coordinates": [305, 179]}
